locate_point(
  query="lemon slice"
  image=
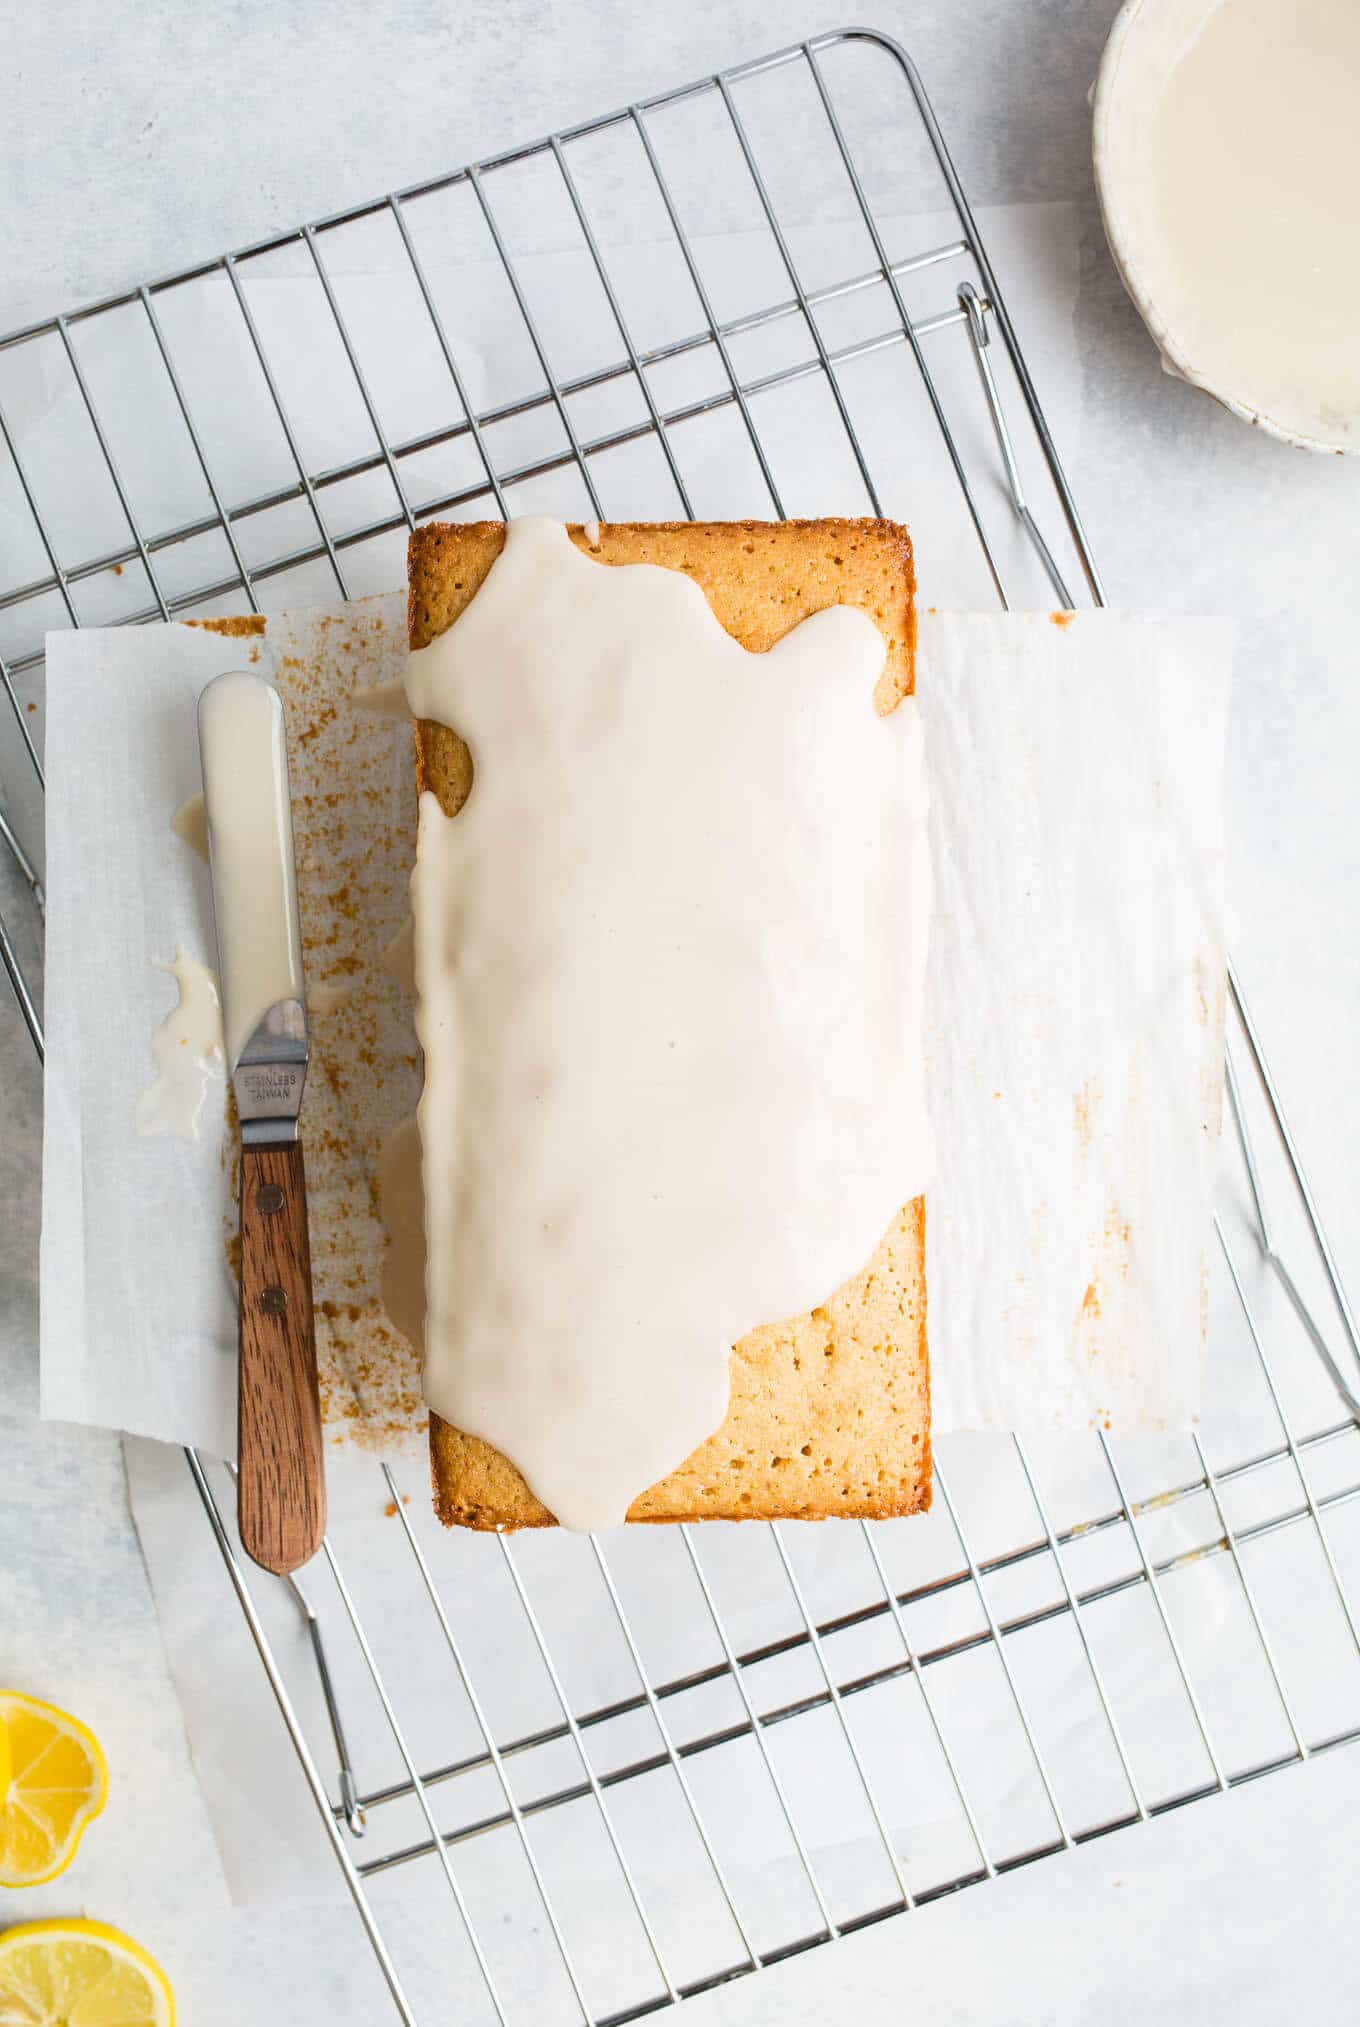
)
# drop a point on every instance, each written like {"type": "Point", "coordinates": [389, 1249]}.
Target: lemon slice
{"type": "Point", "coordinates": [53, 1782]}
{"type": "Point", "coordinates": [80, 1974]}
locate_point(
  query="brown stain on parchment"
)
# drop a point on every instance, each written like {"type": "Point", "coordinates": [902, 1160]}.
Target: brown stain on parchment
{"type": "Point", "coordinates": [353, 867]}
{"type": "Point", "coordinates": [237, 627]}
{"type": "Point", "coordinates": [1201, 992]}
{"type": "Point", "coordinates": [1111, 1265]}
{"type": "Point", "coordinates": [1211, 1006]}
{"type": "Point", "coordinates": [1084, 1110]}
{"type": "Point", "coordinates": [1116, 1241]}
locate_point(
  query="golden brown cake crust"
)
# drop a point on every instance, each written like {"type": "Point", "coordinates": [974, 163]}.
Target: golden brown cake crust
{"type": "Point", "coordinates": [760, 577]}
{"type": "Point", "coordinates": [829, 1413]}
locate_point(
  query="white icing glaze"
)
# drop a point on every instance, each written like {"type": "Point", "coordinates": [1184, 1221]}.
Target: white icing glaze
{"type": "Point", "coordinates": [250, 831]}
{"type": "Point", "coordinates": [669, 970]}
{"type": "Point", "coordinates": [1228, 158]}
{"type": "Point", "coordinates": [190, 822]}
{"type": "Point", "coordinates": [188, 1050]}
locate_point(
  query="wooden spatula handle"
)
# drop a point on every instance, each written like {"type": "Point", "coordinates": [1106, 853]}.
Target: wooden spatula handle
{"type": "Point", "coordinates": [281, 1491]}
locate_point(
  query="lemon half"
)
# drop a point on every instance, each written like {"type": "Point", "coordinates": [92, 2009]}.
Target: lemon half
{"type": "Point", "coordinates": [53, 1781]}
{"type": "Point", "coordinates": [80, 1974]}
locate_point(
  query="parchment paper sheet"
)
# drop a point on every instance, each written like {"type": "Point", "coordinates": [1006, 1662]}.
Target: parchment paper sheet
{"type": "Point", "coordinates": [1075, 1010]}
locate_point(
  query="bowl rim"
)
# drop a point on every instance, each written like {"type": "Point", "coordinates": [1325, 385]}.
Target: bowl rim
{"type": "Point", "coordinates": [1173, 357]}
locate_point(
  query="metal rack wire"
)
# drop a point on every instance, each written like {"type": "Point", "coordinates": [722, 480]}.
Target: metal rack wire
{"type": "Point", "coordinates": [844, 1669]}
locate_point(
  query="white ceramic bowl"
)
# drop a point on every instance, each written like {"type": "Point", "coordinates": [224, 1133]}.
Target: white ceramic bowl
{"type": "Point", "coordinates": [1226, 140]}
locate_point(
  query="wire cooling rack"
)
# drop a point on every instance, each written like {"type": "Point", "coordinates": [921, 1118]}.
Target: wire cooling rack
{"type": "Point", "coordinates": [823, 1727]}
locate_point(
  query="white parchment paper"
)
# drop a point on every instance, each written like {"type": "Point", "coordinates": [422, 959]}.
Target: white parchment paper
{"type": "Point", "coordinates": [1074, 1033]}
{"type": "Point", "coordinates": [138, 1288]}
{"type": "Point", "coordinates": [1076, 999]}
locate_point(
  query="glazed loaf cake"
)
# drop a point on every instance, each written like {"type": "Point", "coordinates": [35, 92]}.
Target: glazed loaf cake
{"type": "Point", "coordinates": [829, 1413]}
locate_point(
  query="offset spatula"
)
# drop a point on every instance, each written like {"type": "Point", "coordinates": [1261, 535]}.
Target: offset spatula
{"type": "Point", "coordinates": [281, 1493]}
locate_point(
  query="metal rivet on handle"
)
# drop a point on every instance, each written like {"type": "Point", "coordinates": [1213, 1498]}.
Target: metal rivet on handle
{"type": "Point", "coordinates": [273, 1301]}
{"type": "Point", "coordinates": [268, 1198]}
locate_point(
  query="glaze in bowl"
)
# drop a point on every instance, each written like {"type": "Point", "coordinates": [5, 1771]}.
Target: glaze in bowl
{"type": "Point", "coordinates": [1226, 146]}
